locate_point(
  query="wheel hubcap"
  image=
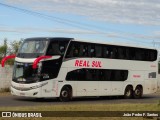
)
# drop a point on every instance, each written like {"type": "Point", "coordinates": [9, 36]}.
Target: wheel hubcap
{"type": "Point", "coordinates": [137, 92]}
{"type": "Point", "coordinates": [128, 93]}
{"type": "Point", "coordinates": [64, 93]}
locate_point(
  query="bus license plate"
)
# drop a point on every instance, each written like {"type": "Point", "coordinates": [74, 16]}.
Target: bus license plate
{"type": "Point", "coordinates": [22, 94]}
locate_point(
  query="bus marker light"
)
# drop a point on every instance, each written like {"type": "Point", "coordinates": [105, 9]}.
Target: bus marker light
{"type": "Point", "coordinates": [136, 76]}
{"type": "Point", "coordinates": [39, 59]}
{"type": "Point", "coordinates": [6, 58]}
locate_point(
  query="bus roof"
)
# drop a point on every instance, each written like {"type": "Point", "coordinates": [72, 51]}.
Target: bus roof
{"type": "Point", "coordinates": [92, 41]}
{"type": "Point", "coordinates": [48, 38]}
{"type": "Point", "coordinates": [116, 44]}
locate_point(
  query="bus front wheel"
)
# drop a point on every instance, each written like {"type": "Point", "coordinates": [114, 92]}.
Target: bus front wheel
{"type": "Point", "coordinates": [66, 94]}
{"type": "Point", "coordinates": [138, 92]}
{"type": "Point", "coordinates": [128, 92]}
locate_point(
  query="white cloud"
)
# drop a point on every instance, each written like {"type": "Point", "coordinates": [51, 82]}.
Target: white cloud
{"type": "Point", "coordinates": [145, 12]}
{"type": "Point", "coordinates": [28, 30]}
{"type": "Point", "coordinates": [31, 30]}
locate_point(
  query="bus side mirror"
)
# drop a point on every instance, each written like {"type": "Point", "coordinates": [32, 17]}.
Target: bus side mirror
{"type": "Point", "coordinates": [34, 66]}
{"type": "Point", "coordinates": [6, 58]}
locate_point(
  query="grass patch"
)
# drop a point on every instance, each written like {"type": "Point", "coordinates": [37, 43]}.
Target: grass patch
{"type": "Point", "coordinates": [5, 92]}
{"type": "Point", "coordinates": [87, 107]}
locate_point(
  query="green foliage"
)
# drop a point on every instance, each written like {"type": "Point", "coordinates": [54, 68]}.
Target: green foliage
{"type": "Point", "coordinates": [15, 46]}
{"type": "Point", "coordinates": [3, 48]}
{"type": "Point", "coordinates": [8, 49]}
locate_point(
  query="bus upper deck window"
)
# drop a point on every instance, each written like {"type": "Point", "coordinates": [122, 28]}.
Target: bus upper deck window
{"type": "Point", "coordinates": [76, 50]}
{"type": "Point", "coordinates": [62, 49]}
{"type": "Point", "coordinates": [92, 51]}
{"type": "Point", "coordinates": [53, 49]}
{"type": "Point", "coordinates": [85, 51]}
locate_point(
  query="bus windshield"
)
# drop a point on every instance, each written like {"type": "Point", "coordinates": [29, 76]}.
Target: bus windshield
{"type": "Point", "coordinates": [34, 46]}
{"type": "Point", "coordinates": [23, 73]}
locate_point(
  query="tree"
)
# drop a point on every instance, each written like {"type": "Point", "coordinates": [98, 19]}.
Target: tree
{"type": "Point", "coordinates": [15, 46]}
{"type": "Point", "coordinates": [4, 48]}
{"type": "Point", "coordinates": [12, 48]}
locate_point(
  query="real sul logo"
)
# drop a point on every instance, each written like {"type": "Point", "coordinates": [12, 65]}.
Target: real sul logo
{"type": "Point", "coordinates": [85, 63]}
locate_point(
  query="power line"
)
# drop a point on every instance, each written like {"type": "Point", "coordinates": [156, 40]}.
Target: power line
{"type": "Point", "coordinates": [55, 19]}
{"type": "Point", "coordinates": [72, 23]}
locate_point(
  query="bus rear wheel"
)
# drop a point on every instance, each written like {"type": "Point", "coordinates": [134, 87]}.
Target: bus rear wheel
{"type": "Point", "coordinates": [128, 92]}
{"type": "Point", "coordinates": [138, 92]}
{"type": "Point", "coordinates": [65, 94]}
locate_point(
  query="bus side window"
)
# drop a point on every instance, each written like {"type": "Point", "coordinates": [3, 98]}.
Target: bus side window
{"type": "Point", "coordinates": [98, 49]}
{"type": "Point", "coordinates": [128, 56]}
{"type": "Point", "coordinates": [88, 75]}
{"type": "Point", "coordinates": [76, 50]}
{"type": "Point", "coordinates": [153, 55]}
{"type": "Point", "coordinates": [132, 53]}
{"type": "Point", "coordinates": [101, 75]}
{"type": "Point", "coordinates": [81, 50]}
{"type": "Point", "coordinates": [53, 49]}
{"type": "Point", "coordinates": [85, 50]}
{"type": "Point", "coordinates": [124, 75]}
{"type": "Point", "coordinates": [104, 75]}
{"type": "Point", "coordinates": [82, 74]}
{"type": "Point", "coordinates": [108, 74]}
{"type": "Point", "coordinates": [106, 52]}
{"type": "Point", "coordinates": [75, 75]}
{"type": "Point", "coordinates": [69, 53]}
{"type": "Point", "coordinates": [118, 76]}
{"type": "Point", "coordinates": [62, 47]}
{"type": "Point", "coordinates": [114, 54]}
{"type": "Point", "coordinates": [71, 75]}
{"type": "Point", "coordinates": [143, 55]}
{"type": "Point", "coordinates": [138, 54]}
{"type": "Point", "coordinates": [94, 73]}
{"type": "Point", "coordinates": [121, 53]}
{"type": "Point", "coordinates": [73, 50]}
{"type": "Point", "coordinates": [110, 52]}
{"type": "Point", "coordinates": [146, 55]}
{"type": "Point", "coordinates": [92, 50]}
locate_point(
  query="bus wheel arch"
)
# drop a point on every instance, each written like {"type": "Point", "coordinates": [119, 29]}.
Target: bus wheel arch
{"type": "Point", "coordinates": [138, 92]}
{"type": "Point", "coordinates": [66, 93]}
{"type": "Point", "coordinates": [128, 92]}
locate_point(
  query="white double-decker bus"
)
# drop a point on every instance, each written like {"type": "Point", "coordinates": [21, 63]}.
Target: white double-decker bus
{"type": "Point", "coordinates": [67, 68]}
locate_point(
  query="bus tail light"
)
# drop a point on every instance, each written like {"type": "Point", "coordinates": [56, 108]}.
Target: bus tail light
{"type": "Point", "coordinates": [39, 59]}
{"type": "Point", "coordinates": [6, 58]}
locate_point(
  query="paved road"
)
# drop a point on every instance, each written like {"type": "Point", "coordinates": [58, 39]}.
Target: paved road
{"type": "Point", "coordinates": [6, 101]}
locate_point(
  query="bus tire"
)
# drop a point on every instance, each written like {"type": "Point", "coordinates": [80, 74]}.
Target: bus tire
{"type": "Point", "coordinates": [66, 94]}
{"type": "Point", "coordinates": [128, 93]}
{"type": "Point", "coordinates": [138, 92]}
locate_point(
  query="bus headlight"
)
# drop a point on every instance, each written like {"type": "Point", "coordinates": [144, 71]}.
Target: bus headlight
{"type": "Point", "coordinates": [38, 86]}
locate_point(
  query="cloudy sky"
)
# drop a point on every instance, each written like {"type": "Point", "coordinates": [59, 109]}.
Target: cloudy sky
{"type": "Point", "coordinates": [131, 21]}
